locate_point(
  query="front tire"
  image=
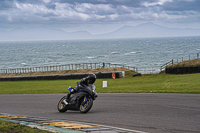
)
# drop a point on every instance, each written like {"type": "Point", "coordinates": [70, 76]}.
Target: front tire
{"type": "Point", "coordinates": [61, 106]}
{"type": "Point", "coordinates": [86, 106]}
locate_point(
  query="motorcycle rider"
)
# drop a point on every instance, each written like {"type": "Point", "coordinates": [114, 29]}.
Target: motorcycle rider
{"type": "Point", "coordinates": [84, 83]}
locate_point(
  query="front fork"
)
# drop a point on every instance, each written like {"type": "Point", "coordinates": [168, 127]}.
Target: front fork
{"type": "Point", "coordinates": [85, 98]}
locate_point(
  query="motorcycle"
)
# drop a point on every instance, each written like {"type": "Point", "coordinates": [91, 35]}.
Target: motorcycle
{"type": "Point", "coordinates": [81, 100]}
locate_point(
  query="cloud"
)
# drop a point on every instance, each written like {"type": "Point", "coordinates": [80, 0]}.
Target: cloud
{"type": "Point", "coordinates": [160, 2]}
{"type": "Point", "coordinates": [6, 5]}
{"type": "Point", "coordinates": [80, 12]}
{"type": "Point", "coordinates": [47, 1]}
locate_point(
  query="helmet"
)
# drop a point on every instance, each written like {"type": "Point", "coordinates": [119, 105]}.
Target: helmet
{"type": "Point", "coordinates": [92, 78]}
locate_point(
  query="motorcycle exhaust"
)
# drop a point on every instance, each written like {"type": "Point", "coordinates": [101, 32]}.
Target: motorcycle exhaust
{"type": "Point", "coordinates": [65, 102]}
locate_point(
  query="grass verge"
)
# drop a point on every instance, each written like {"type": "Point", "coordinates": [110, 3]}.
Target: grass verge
{"type": "Point", "coordinates": [155, 83]}
{"type": "Point", "coordinates": [10, 127]}
{"type": "Point", "coordinates": [188, 63]}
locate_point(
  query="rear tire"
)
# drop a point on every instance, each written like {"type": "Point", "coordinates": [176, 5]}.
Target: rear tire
{"type": "Point", "coordinates": [86, 106]}
{"type": "Point", "coordinates": [61, 106]}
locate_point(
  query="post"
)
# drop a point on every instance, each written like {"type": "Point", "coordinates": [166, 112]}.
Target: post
{"type": "Point", "coordinates": [197, 55]}
{"type": "Point", "coordinates": [103, 64]}
{"type": "Point", "coordinates": [172, 62]}
{"type": "Point", "coordinates": [189, 57]}
{"type": "Point", "coordinates": [182, 59]}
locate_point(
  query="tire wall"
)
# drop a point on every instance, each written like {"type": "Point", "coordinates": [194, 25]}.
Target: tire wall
{"type": "Point", "coordinates": [64, 76]}
{"type": "Point", "coordinates": [182, 70]}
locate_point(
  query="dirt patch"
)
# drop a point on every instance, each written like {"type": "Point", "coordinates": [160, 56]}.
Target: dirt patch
{"type": "Point", "coordinates": [98, 70]}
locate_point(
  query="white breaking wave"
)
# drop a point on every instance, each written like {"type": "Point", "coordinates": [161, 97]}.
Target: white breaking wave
{"type": "Point", "coordinates": [134, 52]}
{"type": "Point", "coordinates": [90, 57]}
{"type": "Point", "coordinates": [115, 52]}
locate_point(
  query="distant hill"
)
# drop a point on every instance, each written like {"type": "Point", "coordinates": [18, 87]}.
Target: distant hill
{"type": "Point", "coordinates": [149, 30]}
{"type": "Point", "coordinates": [42, 33]}
{"type": "Point", "coordinates": [143, 30]}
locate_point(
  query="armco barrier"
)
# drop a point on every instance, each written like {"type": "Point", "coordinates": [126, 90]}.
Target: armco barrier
{"type": "Point", "coordinates": [63, 76]}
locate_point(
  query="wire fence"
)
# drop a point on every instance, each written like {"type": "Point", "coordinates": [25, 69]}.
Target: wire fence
{"type": "Point", "coordinates": [177, 61]}
{"type": "Point", "coordinates": [65, 67]}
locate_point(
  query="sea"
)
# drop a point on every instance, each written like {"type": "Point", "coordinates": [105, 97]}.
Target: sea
{"type": "Point", "coordinates": [134, 52]}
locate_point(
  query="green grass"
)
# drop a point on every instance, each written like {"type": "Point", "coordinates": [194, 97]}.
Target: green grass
{"type": "Point", "coordinates": [156, 83]}
{"type": "Point", "coordinates": [10, 127]}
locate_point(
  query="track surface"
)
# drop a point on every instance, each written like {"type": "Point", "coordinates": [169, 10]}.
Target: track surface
{"type": "Point", "coordinates": [155, 113]}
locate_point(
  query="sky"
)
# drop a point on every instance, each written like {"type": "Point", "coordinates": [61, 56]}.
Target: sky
{"type": "Point", "coordinates": [98, 16]}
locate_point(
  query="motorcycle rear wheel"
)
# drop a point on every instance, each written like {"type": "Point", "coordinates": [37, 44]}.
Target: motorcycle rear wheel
{"type": "Point", "coordinates": [86, 106]}
{"type": "Point", "coordinates": [61, 106]}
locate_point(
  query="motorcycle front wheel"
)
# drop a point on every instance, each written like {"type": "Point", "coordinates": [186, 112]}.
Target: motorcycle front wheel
{"type": "Point", "coordinates": [85, 106]}
{"type": "Point", "coordinates": [61, 106]}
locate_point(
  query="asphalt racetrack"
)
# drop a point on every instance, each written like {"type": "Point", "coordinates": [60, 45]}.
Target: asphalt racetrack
{"type": "Point", "coordinates": [142, 112]}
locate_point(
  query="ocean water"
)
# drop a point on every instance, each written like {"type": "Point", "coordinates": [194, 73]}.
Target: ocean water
{"type": "Point", "coordinates": [141, 52]}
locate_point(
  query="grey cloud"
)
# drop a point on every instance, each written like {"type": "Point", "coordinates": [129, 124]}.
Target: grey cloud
{"type": "Point", "coordinates": [133, 3]}
{"type": "Point", "coordinates": [97, 11]}
{"type": "Point", "coordinates": [51, 6]}
{"type": "Point", "coordinates": [48, 15]}
{"type": "Point", "coordinates": [5, 5]}
{"type": "Point", "coordinates": [178, 5]}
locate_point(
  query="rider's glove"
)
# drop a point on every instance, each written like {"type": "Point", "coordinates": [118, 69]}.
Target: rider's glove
{"type": "Point", "coordinates": [75, 89]}
{"type": "Point", "coordinates": [72, 90]}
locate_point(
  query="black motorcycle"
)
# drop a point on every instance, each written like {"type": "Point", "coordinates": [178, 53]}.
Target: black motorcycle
{"type": "Point", "coordinates": [81, 100]}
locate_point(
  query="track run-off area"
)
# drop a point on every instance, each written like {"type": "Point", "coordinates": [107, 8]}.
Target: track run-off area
{"type": "Point", "coordinates": [132, 112]}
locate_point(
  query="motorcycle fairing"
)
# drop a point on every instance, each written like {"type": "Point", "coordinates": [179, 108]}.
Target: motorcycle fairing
{"type": "Point", "coordinates": [75, 99]}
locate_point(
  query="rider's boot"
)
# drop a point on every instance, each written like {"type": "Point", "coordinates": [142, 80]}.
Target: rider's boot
{"type": "Point", "coordinates": [68, 95]}
{"type": "Point", "coordinates": [66, 101]}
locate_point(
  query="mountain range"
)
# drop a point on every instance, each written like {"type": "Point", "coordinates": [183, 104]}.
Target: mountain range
{"type": "Point", "coordinates": [143, 30]}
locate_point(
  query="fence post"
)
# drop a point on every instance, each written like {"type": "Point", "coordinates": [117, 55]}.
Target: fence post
{"type": "Point", "coordinates": [197, 55]}
{"type": "Point", "coordinates": [103, 64]}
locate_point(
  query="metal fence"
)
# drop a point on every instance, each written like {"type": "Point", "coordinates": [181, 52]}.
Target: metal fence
{"type": "Point", "coordinates": [177, 61]}
{"type": "Point", "coordinates": [65, 67]}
